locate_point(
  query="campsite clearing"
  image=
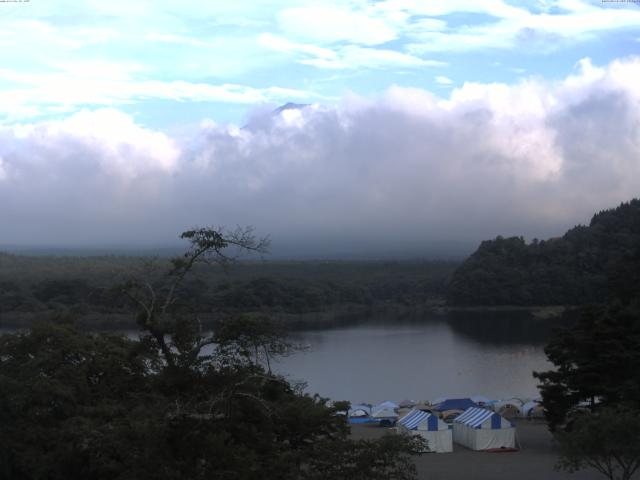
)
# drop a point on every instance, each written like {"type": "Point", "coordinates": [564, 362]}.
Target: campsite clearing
{"type": "Point", "coordinates": [534, 461]}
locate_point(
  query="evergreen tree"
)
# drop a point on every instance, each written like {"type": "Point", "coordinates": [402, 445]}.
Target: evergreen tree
{"type": "Point", "coordinates": [597, 363]}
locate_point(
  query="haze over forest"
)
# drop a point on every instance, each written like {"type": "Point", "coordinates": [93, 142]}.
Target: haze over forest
{"type": "Point", "coordinates": [412, 154]}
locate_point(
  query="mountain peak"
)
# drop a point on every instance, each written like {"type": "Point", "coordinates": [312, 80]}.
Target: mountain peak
{"type": "Point", "coordinates": [291, 106]}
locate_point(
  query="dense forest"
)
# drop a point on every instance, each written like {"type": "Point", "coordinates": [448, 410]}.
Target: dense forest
{"type": "Point", "coordinates": [175, 402]}
{"type": "Point", "coordinates": [583, 266]}
{"type": "Point", "coordinates": [87, 287]}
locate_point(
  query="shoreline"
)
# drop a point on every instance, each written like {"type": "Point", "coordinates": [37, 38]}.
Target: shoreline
{"type": "Point", "coordinates": [345, 315]}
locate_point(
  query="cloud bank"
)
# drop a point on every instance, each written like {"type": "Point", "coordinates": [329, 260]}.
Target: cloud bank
{"type": "Point", "coordinates": [408, 173]}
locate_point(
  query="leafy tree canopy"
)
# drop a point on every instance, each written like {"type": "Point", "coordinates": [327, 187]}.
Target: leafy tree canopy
{"type": "Point", "coordinates": [175, 403]}
{"type": "Point", "coordinates": [587, 264]}
{"type": "Point", "coordinates": [607, 441]}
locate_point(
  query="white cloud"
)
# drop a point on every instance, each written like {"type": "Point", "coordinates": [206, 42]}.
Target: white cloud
{"type": "Point", "coordinates": [335, 23]}
{"type": "Point", "coordinates": [3, 173]}
{"type": "Point", "coordinates": [350, 57]}
{"type": "Point", "coordinates": [75, 85]}
{"type": "Point", "coordinates": [103, 141]}
{"type": "Point", "coordinates": [121, 53]}
{"type": "Point", "coordinates": [519, 28]}
{"type": "Point", "coordinates": [423, 27]}
{"type": "Point", "coordinates": [281, 44]}
{"type": "Point", "coordinates": [403, 172]}
{"type": "Point", "coordinates": [442, 80]}
{"type": "Point", "coordinates": [439, 8]}
{"type": "Point", "coordinates": [354, 57]}
{"type": "Point", "coordinates": [29, 32]}
{"type": "Point", "coordinates": [177, 39]}
{"type": "Point", "coordinates": [426, 24]}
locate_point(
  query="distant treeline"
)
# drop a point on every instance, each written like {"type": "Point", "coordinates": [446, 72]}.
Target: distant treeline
{"type": "Point", "coordinates": [87, 286]}
{"type": "Point", "coordinates": [589, 264]}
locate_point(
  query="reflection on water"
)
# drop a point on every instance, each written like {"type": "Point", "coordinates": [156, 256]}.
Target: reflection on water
{"type": "Point", "coordinates": [502, 327]}
{"type": "Point", "coordinates": [417, 357]}
{"type": "Point", "coordinates": [492, 354]}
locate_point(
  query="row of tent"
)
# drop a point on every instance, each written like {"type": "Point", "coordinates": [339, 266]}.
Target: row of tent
{"type": "Point", "coordinates": [476, 428]}
{"type": "Point", "coordinates": [386, 414]}
{"type": "Point", "coordinates": [447, 409]}
{"type": "Point", "coordinates": [510, 408]}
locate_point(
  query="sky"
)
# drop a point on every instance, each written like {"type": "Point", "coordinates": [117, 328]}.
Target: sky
{"type": "Point", "coordinates": [420, 127]}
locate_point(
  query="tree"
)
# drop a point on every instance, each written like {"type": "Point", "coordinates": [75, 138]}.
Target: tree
{"type": "Point", "coordinates": [597, 363]}
{"type": "Point", "coordinates": [77, 405]}
{"type": "Point", "coordinates": [388, 458]}
{"type": "Point", "coordinates": [253, 338]}
{"type": "Point", "coordinates": [156, 303]}
{"type": "Point", "coordinates": [592, 397]}
{"type": "Point", "coordinates": [587, 264]}
{"type": "Point", "coordinates": [82, 405]}
{"type": "Point", "coordinates": [67, 401]}
{"type": "Point", "coordinates": [607, 441]}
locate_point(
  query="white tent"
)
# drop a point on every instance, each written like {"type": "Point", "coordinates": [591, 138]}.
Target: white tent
{"type": "Point", "coordinates": [430, 427]}
{"type": "Point", "coordinates": [387, 404]}
{"type": "Point", "coordinates": [533, 409]}
{"type": "Point", "coordinates": [509, 408]}
{"type": "Point", "coordinates": [360, 410]}
{"type": "Point", "coordinates": [480, 429]}
{"type": "Point", "coordinates": [386, 413]}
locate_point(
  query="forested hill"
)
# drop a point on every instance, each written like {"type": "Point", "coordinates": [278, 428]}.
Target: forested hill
{"type": "Point", "coordinates": [39, 286]}
{"type": "Point", "coordinates": [586, 265]}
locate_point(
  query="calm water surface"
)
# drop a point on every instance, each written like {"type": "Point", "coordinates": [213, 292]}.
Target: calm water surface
{"type": "Point", "coordinates": [389, 358]}
{"type": "Point", "coordinates": [459, 355]}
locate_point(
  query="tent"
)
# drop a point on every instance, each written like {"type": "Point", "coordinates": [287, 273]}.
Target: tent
{"type": "Point", "coordinates": [511, 408]}
{"type": "Point", "coordinates": [406, 403]}
{"type": "Point", "coordinates": [455, 404]}
{"type": "Point", "coordinates": [449, 415]}
{"type": "Point", "coordinates": [386, 413]}
{"type": "Point", "coordinates": [360, 414]}
{"type": "Point", "coordinates": [480, 429]}
{"type": "Point", "coordinates": [423, 406]}
{"type": "Point", "coordinates": [387, 404]}
{"type": "Point", "coordinates": [481, 400]}
{"type": "Point", "coordinates": [431, 428]}
{"type": "Point", "coordinates": [533, 409]}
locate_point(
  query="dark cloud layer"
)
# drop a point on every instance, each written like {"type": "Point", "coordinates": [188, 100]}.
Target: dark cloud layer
{"type": "Point", "coordinates": [406, 174]}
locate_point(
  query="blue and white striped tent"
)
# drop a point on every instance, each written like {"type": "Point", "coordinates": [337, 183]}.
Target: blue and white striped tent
{"type": "Point", "coordinates": [435, 431]}
{"type": "Point", "coordinates": [416, 418]}
{"type": "Point", "coordinates": [475, 417]}
{"type": "Point", "coordinates": [481, 429]}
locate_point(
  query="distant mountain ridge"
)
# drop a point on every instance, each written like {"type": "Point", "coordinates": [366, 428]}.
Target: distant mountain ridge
{"type": "Point", "coordinates": [588, 264]}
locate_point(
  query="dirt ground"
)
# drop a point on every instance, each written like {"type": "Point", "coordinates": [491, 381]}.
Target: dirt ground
{"type": "Point", "coordinates": [535, 460]}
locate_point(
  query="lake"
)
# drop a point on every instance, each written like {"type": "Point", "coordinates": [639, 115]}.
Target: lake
{"type": "Point", "coordinates": [421, 357]}
{"type": "Point", "coordinates": [453, 355]}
